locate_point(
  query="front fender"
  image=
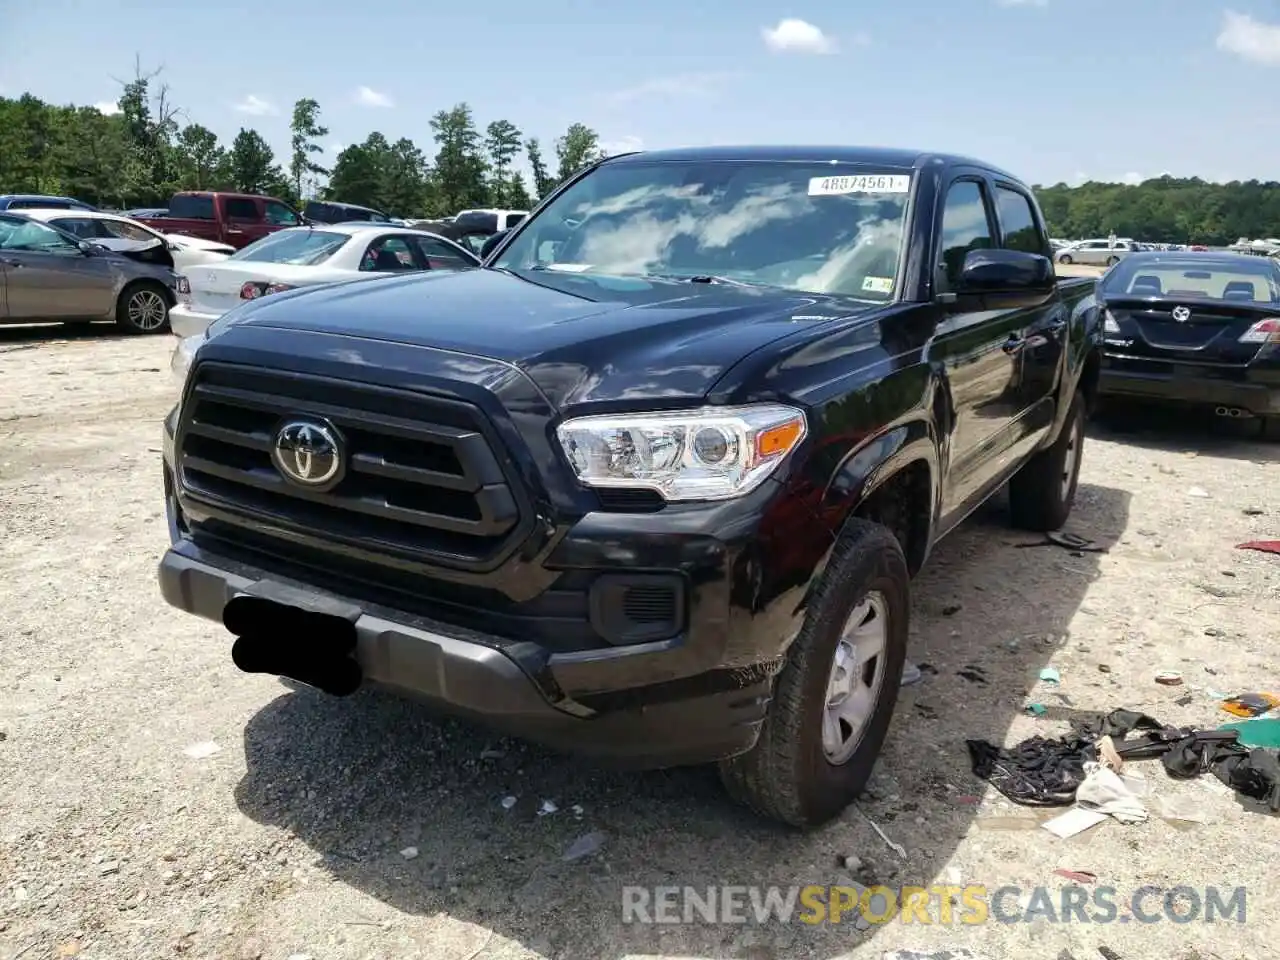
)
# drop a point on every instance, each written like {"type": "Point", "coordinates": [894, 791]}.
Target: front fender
{"type": "Point", "coordinates": [866, 468]}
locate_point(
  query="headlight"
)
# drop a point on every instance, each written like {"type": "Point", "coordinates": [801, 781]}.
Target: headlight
{"type": "Point", "coordinates": [709, 454]}
{"type": "Point", "coordinates": [1109, 324]}
{"type": "Point", "coordinates": [184, 355]}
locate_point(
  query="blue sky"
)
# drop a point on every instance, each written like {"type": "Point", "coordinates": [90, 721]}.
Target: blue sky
{"type": "Point", "coordinates": [1052, 89]}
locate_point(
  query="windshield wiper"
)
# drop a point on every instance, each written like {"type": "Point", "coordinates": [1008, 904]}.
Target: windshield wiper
{"type": "Point", "coordinates": [709, 278]}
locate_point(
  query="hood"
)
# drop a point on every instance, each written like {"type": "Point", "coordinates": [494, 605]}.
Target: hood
{"type": "Point", "coordinates": [580, 338]}
{"type": "Point", "coordinates": [153, 252]}
{"type": "Point", "coordinates": [199, 243]}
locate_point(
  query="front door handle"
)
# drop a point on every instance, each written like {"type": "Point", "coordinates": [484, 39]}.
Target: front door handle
{"type": "Point", "coordinates": [11, 263]}
{"type": "Point", "coordinates": [1013, 345]}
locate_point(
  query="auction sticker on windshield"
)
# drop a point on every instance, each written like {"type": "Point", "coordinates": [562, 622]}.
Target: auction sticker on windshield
{"type": "Point", "coordinates": [862, 183]}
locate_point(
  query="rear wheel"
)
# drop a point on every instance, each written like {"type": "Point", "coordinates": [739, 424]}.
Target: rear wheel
{"type": "Point", "coordinates": [1269, 429]}
{"type": "Point", "coordinates": [833, 700]}
{"type": "Point", "coordinates": [1042, 492]}
{"type": "Point", "coordinates": [143, 308]}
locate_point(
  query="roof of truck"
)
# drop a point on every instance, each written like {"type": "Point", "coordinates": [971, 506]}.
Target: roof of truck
{"type": "Point", "coordinates": [880, 156]}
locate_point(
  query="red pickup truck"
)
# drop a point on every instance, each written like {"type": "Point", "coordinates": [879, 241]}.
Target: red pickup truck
{"type": "Point", "coordinates": [237, 219]}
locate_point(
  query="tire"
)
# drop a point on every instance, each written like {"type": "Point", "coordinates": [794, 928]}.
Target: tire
{"type": "Point", "coordinates": [788, 775]}
{"type": "Point", "coordinates": [1065, 258]}
{"type": "Point", "coordinates": [1042, 492]}
{"type": "Point", "coordinates": [137, 306]}
{"type": "Point", "coordinates": [1269, 429]}
{"type": "Point", "coordinates": [1112, 261]}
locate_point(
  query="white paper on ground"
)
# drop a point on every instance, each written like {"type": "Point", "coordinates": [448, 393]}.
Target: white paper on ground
{"type": "Point", "coordinates": [1074, 821]}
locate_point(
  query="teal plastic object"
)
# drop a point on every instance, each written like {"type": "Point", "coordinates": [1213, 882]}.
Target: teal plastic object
{"type": "Point", "coordinates": [1258, 732]}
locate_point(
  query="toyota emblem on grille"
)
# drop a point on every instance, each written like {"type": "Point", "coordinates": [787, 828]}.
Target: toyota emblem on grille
{"type": "Point", "coordinates": [1182, 314]}
{"type": "Point", "coordinates": [307, 452]}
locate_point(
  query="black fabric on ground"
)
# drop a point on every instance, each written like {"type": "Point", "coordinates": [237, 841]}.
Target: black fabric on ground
{"type": "Point", "coordinates": [1046, 773]}
{"type": "Point", "coordinates": [1253, 772]}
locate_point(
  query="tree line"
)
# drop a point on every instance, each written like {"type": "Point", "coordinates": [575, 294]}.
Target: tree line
{"type": "Point", "coordinates": [144, 153]}
{"type": "Point", "coordinates": [1164, 210]}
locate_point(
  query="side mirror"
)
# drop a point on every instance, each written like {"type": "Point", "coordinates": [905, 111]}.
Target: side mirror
{"type": "Point", "coordinates": [491, 244]}
{"type": "Point", "coordinates": [1006, 277]}
{"type": "Point", "coordinates": [89, 249]}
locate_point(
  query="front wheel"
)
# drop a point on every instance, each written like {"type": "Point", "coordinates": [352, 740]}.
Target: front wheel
{"type": "Point", "coordinates": [143, 308]}
{"type": "Point", "coordinates": [1112, 261]}
{"type": "Point", "coordinates": [1065, 258]}
{"type": "Point", "coordinates": [833, 700]}
{"type": "Point", "coordinates": [1042, 492]}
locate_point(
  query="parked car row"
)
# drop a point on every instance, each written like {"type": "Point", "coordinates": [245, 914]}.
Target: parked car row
{"type": "Point", "coordinates": [308, 256]}
{"type": "Point", "coordinates": [62, 245]}
{"type": "Point", "coordinates": [47, 273]}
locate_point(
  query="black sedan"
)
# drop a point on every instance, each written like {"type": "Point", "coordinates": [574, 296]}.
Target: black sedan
{"type": "Point", "coordinates": [47, 273]}
{"type": "Point", "coordinates": [1197, 329]}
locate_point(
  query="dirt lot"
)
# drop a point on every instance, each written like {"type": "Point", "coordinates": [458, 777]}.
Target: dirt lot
{"type": "Point", "coordinates": [285, 838]}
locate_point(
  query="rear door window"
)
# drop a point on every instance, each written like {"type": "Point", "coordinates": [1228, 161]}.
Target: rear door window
{"type": "Point", "coordinates": [189, 207]}
{"type": "Point", "coordinates": [241, 208]}
{"type": "Point", "coordinates": [390, 255]}
{"type": "Point", "coordinates": [279, 214]}
{"type": "Point", "coordinates": [441, 256]}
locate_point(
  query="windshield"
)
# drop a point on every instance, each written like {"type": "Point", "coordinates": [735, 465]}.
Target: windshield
{"type": "Point", "coordinates": [1195, 278]}
{"type": "Point", "coordinates": [304, 248]}
{"type": "Point", "coordinates": [813, 227]}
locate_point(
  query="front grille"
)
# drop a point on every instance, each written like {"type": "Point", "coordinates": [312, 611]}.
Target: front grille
{"type": "Point", "coordinates": [422, 480]}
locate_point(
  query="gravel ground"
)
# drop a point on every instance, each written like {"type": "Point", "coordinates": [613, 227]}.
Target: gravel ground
{"type": "Point", "coordinates": [155, 802]}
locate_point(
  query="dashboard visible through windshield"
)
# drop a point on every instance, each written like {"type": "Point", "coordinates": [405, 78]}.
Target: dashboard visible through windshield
{"type": "Point", "coordinates": [811, 227]}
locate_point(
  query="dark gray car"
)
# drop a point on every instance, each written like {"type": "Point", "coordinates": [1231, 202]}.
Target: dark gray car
{"type": "Point", "coordinates": [49, 274]}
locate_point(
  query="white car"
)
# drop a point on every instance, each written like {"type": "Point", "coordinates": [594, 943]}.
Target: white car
{"type": "Point", "coordinates": [119, 233]}
{"type": "Point", "coordinates": [303, 256]}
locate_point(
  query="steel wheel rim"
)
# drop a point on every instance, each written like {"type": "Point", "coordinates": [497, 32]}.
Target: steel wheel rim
{"type": "Point", "coordinates": [146, 310]}
{"type": "Point", "coordinates": [1071, 458]}
{"type": "Point", "coordinates": [855, 679]}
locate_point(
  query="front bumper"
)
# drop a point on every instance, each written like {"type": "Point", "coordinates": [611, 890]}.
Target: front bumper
{"type": "Point", "coordinates": [1258, 392]}
{"type": "Point", "coordinates": [465, 678]}
{"type": "Point", "coordinates": [689, 699]}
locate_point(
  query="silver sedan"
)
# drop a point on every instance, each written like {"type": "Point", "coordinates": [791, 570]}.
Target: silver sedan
{"type": "Point", "coordinates": [50, 274]}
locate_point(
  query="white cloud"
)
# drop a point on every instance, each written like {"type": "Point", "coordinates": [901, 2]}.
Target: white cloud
{"type": "Point", "coordinates": [1023, 3]}
{"type": "Point", "coordinates": [625, 144]}
{"type": "Point", "coordinates": [254, 106]}
{"type": "Point", "coordinates": [107, 107]}
{"type": "Point", "coordinates": [1249, 39]}
{"type": "Point", "coordinates": [1133, 179]}
{"type": "Point", "coordinates": [797, 36]}
{"type": "Point", "coordinates": [336, 148]}
{"type": "Point", "coordinates": [369, 97]}
{"type": "Point", "coordinates": [679, 86]}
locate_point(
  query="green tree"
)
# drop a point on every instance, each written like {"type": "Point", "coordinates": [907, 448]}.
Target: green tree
{"type": "Point", "coordinates": [502, 141]}
{"type": "Point", "coordinates": [306, 130]}
{"type": "Point", "coordinates": [459, 165]}
{"type": "Point", "coordinates": [518, 194]}
{"type": "Point", "coordinates": [578, 148]}
{"type": "Point", "coordinates": [404, 180]}
{"type": "Point", "coordinates": [543, 182]}
{"type": "Point", "coordinates": [201, 163]}
{"type": "Point", "coordinates": [357, 174]}
{"type": "Point", "coordinates": [252, 162]}
{"type": "Point", "coordinates": [150, 124]}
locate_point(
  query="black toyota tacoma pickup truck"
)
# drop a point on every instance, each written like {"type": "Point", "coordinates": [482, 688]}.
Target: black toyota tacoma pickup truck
{"type": "Point", "coordinates": [651, 483]}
